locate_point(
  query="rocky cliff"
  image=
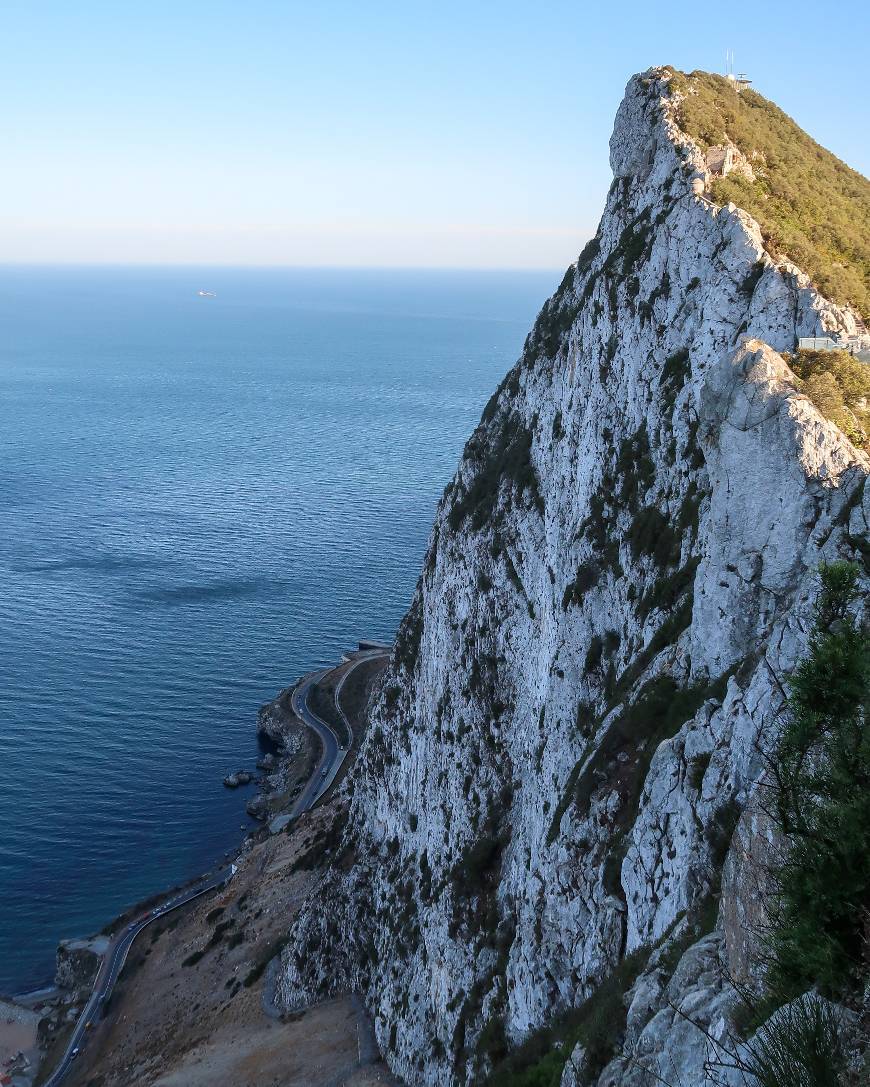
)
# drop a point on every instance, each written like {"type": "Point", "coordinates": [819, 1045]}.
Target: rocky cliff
{"type": "Point", "coordinates": [77, 961]}
{"type": "Point", "coordinates": [563, 756]}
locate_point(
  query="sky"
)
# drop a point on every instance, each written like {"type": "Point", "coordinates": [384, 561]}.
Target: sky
{"type": "Point", "coordinates": [331, 133]}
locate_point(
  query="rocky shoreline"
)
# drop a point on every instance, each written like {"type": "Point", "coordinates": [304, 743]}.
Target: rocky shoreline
{"type": "Point", "coordinates": [283, 767]}
{"type": "Point", "coordinates": [34, 1027]}
{"type": "Point", "coordinates": [288, 766]}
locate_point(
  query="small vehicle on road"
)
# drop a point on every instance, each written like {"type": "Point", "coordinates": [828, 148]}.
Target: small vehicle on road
{"type": "Point", "coordinates": [75, 1052]}
{"type": "Point", "coordinates": [324, 772]}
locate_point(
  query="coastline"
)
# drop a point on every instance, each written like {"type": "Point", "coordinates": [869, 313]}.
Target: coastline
{"type": "Point", "coordinates": [52, 1014]}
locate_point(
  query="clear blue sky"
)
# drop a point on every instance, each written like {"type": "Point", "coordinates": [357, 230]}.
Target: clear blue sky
{"type": "Point", "coordinates": [364, 133]}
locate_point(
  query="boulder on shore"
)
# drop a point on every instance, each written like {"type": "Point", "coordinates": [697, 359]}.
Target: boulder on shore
{"type": "Point", "coordinates": [239, 777]}
{"type": "Point", "coordinates": [257, 807]}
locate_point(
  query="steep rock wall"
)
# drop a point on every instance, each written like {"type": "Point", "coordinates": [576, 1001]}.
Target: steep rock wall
{"type": "Point", "coordinates": [618, 579]}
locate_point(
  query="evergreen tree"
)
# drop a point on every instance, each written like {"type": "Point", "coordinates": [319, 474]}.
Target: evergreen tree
{"type": "Point", "coordinates": [821, 917]}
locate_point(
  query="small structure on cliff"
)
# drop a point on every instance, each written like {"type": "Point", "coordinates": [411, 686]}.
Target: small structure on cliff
{"type": "Point", "coordinates": [727, 158]}
{"type": "Point", "coordinates": [739, 81]}
{"type": "Point", "coordinates": [858, 345]}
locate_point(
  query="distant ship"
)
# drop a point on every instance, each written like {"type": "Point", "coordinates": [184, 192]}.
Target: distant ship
{"type": "Point", "coordinates": [207, 294]}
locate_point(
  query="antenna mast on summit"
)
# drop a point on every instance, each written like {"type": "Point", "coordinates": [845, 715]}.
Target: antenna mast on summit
{"type": "Point", "coordinates": [739, 81]}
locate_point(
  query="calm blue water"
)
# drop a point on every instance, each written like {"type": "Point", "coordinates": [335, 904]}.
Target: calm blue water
{"type": "Point", "coordinates": [201, 499]}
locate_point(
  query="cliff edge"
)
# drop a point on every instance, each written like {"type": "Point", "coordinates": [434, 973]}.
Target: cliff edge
{"type": "Point", "coordinates": [557, 795]}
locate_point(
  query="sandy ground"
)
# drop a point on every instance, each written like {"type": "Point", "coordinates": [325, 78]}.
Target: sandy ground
{"type": "Point", "coordinates": [188, 1008]}
{"type": "Point", "coordinates": [17, 1035]}
{"type": "Point", "coordinates": [319, 1048]}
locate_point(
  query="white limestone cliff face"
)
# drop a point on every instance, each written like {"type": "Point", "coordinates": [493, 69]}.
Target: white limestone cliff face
{"type": "Point", "coordinates": [619, 577]}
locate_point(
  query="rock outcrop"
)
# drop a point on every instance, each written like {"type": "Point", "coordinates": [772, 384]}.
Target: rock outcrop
{"type": "Point", "coordinates": [77, 961]}
{"type": "Point", "coordinates": [258, 807]}
{"type": "Point", "coordinates": [237, 778]}
{"type": "Point", "coordinates": [575, 719]}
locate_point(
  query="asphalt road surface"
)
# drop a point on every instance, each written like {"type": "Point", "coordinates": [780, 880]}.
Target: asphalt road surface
{"type": "Point", "coordinates": [333, 752]}
{"type": "Point", "coordinates": [116, 956]}
{"type": "Point", "coordinates": [329, 764]}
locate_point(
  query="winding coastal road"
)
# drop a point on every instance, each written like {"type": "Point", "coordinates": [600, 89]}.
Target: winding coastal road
{"type": "Point", "coordinates": [330, 763]}
{"type": "Point", "coordinates": [334, 752]}
{"type": "Point", "coordinates": [116, 956]}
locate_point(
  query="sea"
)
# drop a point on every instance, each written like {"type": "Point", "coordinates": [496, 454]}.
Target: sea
{"type": "Point", "coordinates": [202, 498]}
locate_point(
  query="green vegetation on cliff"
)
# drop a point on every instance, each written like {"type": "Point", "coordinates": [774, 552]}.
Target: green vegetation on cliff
{"type": "Point", "coordinates": [822, 788]}
{"type": "Point", "coordinates": [816, 936]}
{"type": "Point", "coordinates": [812, 208]}
{"type": "Point", "coordinates": [839, 386]}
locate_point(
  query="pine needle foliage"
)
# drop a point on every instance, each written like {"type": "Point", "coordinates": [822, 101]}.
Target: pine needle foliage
{"type": "Point", "coordinates": [801, 1045]}
{"type": "Point", "coordinates": [822, 803]}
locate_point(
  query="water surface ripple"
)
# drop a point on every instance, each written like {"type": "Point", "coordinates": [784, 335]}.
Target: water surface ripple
{"type": "Point", "coordinates": [201, 499]}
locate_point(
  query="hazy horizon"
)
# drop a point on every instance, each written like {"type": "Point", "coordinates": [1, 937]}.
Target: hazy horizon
{"type": "Point", "coordinates": [467, 137]}
{"type": "Point", "coordinates": [193, 496]}
{"type": "Point", "coordinates": [194, 265]}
